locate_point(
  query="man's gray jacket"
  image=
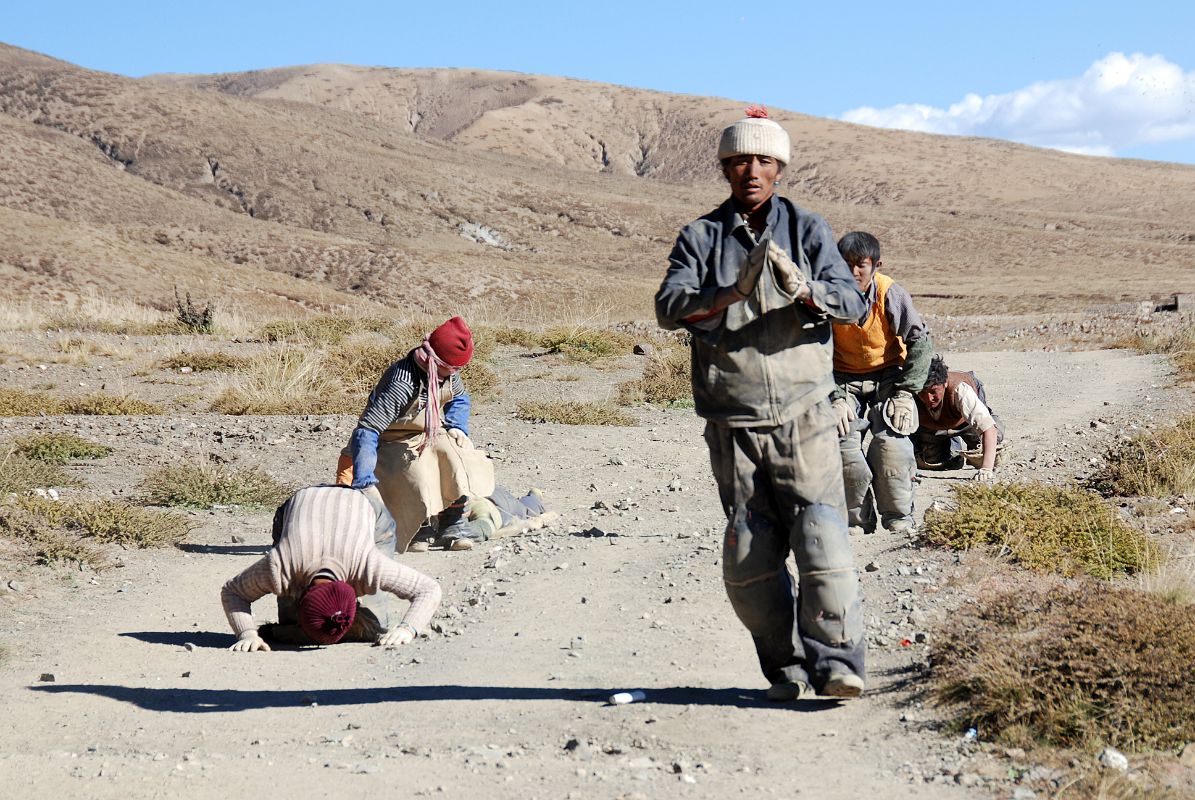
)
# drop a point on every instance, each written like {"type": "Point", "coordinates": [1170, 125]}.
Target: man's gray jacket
{"type": "Point", "coordinates": [764, 360]}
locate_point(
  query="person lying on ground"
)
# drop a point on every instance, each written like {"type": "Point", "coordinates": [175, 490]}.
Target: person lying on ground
{"type": "Point", "coordinates": [880, 362]}
{"type": "Point", "coordinates": [953, 413]}
{"type": "Point", "coordinates": [412, 439]}
{"type": "Point", "coordinates": [323, 559]}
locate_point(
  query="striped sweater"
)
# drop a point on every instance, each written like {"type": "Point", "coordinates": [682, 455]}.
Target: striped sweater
{"type": "Point", "coordinates": [328, 527]}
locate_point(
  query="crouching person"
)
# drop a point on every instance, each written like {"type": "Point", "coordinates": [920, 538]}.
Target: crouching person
{"type": "Point", "coordinates": [412, 440]}
{"type": "Point", "coordinates": [880, 362]}
{"type": "Point", "coordinates": [952, 408]}
{"type": "Point", "coordinates": [323, 559]}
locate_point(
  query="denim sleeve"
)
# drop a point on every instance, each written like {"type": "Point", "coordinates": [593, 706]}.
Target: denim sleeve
{"type": "Point", "coordinates": [363, 446]}
{"type": "Point", "coordinates": [456, 411]}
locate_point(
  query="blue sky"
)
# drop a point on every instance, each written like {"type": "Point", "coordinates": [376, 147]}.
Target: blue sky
{"type": "Point", "coordinates": [1101, 77]}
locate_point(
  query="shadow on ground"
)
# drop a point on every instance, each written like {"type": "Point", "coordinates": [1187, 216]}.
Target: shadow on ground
{"type": "Point", "coordinates": [225, 549]}
{"type": "Point", "coordinates": [194, 701]}
{"type": "Point", "coordinates": [220, 641]}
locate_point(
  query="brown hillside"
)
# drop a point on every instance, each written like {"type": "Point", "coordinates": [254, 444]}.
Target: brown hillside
{"type": "Point", "coordinates": [340, 186]}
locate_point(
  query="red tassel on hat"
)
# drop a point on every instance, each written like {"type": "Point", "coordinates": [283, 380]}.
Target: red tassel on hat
{"type": "Point", "coordinates": [757, 112]}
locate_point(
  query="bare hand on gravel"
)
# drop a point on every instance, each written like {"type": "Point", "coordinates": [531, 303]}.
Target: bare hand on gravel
{"type": "Point", "coordinates": [250, 642]}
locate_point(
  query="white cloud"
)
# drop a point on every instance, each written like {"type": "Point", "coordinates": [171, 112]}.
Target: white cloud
{"type": "Point", "coordinates": [1119, 102]}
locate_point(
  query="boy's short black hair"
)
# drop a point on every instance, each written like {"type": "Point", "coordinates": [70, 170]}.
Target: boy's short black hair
{"type": "Point", "coordinates": [938, 373]}
{"type": "Point", "coordinates": [858, 245]}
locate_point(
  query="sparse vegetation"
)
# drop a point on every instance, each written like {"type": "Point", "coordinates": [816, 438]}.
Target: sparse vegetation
{"type": "Point", "coordinates": [666, 381]}
{"type": "Point", "coordinates": [518, 337]}
{"type": "Point", "coordinates": [1180, 346]}
{"type": "Point", "coordinates": [47, 544]}
{"type": "Point", "coordinates": [329, 329]}
{"type": "Point", "coordinates": [570, 412]}
{"type": "Point", "coordinates": [23, 403]}
{"type": "Point", "coordinates": [112, 521]}
{"type": "Point", "coordinates": [103, 404]}
{"type": "Point", "coordinates": [204, 484]}
{"type": "Point", "coordinates": [286, 381]}
{"type": "Point", "coordinates": [1047, 529]}
{"type": "Point", "coordinates": [585, 345]}
{"type": "Point", "coordinates": [206, 362]}
{"type": "Point", "coordinates": [59, 448]}
{"type": "Point", "coordinates": [1079, 666]}
{"type": "Point", "coordinates": [19, 474]}
{"type": "Point", "coordinates": [190, 317]}
{"type": "Point", "coordinates": [1155, 464]}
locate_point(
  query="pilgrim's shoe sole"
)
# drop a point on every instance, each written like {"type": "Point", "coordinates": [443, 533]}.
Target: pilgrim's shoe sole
{"type": "Point", "coordinates": [787, 691]}
{"type": "Point", "coordinates": [844, 685]}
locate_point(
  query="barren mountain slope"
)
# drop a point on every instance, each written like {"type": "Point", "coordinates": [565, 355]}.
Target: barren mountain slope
{"type": "Point", "coordinates": [347, 186]}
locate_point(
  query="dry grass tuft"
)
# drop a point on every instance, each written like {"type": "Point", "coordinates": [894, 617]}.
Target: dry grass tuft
{"type": "Point", "coordinates": [1079, 666]}
{"type": "Point", "coordinates": [204, 484]}
{"type": "Point", "coordinates": [19, 474]}
{"type": "Point", "coordinates": [516, 337]}
{"type": "Point", "coordinates": [72, 530]}
{"type": "Point", "coordinates": [101, 404]}
{"type": "Point", "coordinates": [586, 345]}
{"type": "Point", "coordinates": [1047, 529]}
{"type": "Point", "coordinates": [23, 403]}
{"type": "Point", "coordinates": [1155, 464]}
{"type": "Point", "coordinates": [205, 362]}
{"type": "Point", "coordinates": [285, 381]}
{"type": "Point", "coordinates": [1180, 346]}
{"type": "Point", "coordinates": [570, 412]}
{"type": "Point", "coordinates": [112, 521]}
{"type": "Point", "coordinates": [47, 544]}
{"type": "Point", "coordinates": [59, 448]}
{"type": "Point", "coordinates": [328, 329]}
{"type": "Point", "coordinates": [667, 380]}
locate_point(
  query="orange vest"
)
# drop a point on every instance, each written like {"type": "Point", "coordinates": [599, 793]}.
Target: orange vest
{"type": "Point", "coordinates": [872, 344]}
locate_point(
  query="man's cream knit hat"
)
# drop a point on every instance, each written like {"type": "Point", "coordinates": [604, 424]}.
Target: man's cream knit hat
{"type": "Point", "coordinates": [756, 135]}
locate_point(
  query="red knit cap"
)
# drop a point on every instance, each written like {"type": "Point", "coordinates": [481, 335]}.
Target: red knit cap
{"type": "Point", "coordinates": [453, 342]}
{"type": "Point", "coordinates": [326, 611]}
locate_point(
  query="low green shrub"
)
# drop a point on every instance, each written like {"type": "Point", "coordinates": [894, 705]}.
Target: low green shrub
{"type": "Point", "coordinates": [23, 403]}
{"type": "Point", "coordinates": [202, 485]}
{"type": "Point", "coordinates": [100, 404]}
{"type": "Point", "coordinates": [1047, 529]}
{"type": "Point", "coordinates": [59, 448]}
{"type": "Point", "coordinates": [19, 474]}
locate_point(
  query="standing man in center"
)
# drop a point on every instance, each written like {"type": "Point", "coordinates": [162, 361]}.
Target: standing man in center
{"type": "Point", "coordinates": [758, 282]}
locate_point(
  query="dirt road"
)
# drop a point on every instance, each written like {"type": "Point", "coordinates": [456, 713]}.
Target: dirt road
{"type": "Point", "coordinates": [508, 698]}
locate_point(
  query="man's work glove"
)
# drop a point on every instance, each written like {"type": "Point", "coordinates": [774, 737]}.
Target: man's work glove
{"type": "Point", "coordinates": [396, 637]}
{"type": "Point", "coordinates": [460, 439]}
{"type": "Point", "coordinates": [788, 274]}
{"type": "Point", "coordinates": [750, 269]}
{"type": "Point", "coordinates": [250, 642]}
{"type": "Point", "coordinates": [900, 413]}
{"type": "Point", "coordinates": [985, 476]}
{"type": "Point", "coordinates": [845, 414]}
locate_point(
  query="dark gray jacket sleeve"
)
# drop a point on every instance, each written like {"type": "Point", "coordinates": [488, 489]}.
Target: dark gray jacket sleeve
{"type": "Point", "coordinates": [911, 328]}
{"type": "Point", "coordinates": [681, 293]}
{"type": "Point", "coordinates": [834, 291]}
